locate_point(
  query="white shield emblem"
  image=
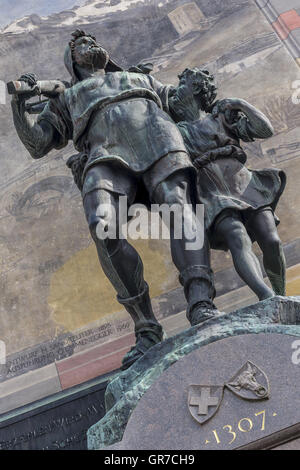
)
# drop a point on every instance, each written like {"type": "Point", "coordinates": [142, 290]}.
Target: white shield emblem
{"type": "Point", "coordinates": [204, 401]}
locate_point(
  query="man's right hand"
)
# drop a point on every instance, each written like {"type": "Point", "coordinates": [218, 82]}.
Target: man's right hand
{"type": "Point", "coordinates": [31, 80]}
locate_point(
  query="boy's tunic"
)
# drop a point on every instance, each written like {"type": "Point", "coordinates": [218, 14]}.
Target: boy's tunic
{"type": "Point", "coordinates": [226, 183]}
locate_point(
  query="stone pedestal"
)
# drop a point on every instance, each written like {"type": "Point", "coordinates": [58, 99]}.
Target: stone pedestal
{"type": "Point", "coordinates": [232, 382]}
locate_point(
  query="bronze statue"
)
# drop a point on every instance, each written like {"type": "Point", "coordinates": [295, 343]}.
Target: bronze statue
{"type": "Point", "coordinates": [239, 203]}
{"type": "Point", "coordinates": [122, 124]}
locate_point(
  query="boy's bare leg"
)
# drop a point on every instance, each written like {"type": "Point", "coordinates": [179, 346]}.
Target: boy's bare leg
{"type": "Point", "coordinates": [264, 228]}
{"type": "Point", "coordinates": [233, 232]}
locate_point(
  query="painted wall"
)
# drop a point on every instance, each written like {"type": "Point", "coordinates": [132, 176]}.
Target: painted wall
{"type": "Point", "coordinates": [57, 309]}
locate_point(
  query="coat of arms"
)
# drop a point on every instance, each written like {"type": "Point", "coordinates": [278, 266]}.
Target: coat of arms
{"type": "Point", "coordinates": [249, 383]}
{"type": "Point", "coordinates": [204, 401]}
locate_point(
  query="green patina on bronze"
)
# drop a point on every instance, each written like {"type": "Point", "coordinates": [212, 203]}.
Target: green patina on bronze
{"type": "Point", "coordinates": [280, 315]}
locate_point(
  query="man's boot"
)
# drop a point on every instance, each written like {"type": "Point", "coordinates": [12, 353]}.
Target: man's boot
{"type": "Point", "coordinates": [148, 331]}
{"type": "Point", "coordinates": [199, 292]}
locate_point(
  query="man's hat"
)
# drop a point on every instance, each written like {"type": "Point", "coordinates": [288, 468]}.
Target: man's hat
{"type": "Point", "coordinates": [111, 65]}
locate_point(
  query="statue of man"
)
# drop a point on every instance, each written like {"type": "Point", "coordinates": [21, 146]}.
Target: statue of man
{"type": "Point", "coordinates": [122, 122]}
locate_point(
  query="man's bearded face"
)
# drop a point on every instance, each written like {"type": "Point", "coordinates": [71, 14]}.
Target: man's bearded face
{"type": "Point", "coordinates": [88, 54]}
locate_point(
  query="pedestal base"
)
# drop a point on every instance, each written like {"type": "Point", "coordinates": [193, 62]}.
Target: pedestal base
{"type": "Point", "coordinates": [272, 317]}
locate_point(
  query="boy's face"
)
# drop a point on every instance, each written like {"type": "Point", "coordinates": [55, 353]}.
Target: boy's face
{"type": "Point", "coordinates": [202, 86]}
{"type": "Point", "coordinates": [207, 93]}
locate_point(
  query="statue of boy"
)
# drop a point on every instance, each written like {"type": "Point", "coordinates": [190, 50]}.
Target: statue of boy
{"type": "Point", "coordinates": [239, 202]}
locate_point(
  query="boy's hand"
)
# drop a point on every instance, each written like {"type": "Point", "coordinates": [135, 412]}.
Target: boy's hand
{"type": "Point", "coordinates": [226, 106]}
{"type": "Point", "coordinates": [212, 155]}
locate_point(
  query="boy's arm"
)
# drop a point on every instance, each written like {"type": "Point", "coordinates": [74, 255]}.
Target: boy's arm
{"type": "Point", "coordinates": [249, 124]}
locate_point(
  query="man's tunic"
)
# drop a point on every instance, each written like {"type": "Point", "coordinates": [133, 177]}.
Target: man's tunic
{"type": "Point", "coordinates": [121, 116]}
